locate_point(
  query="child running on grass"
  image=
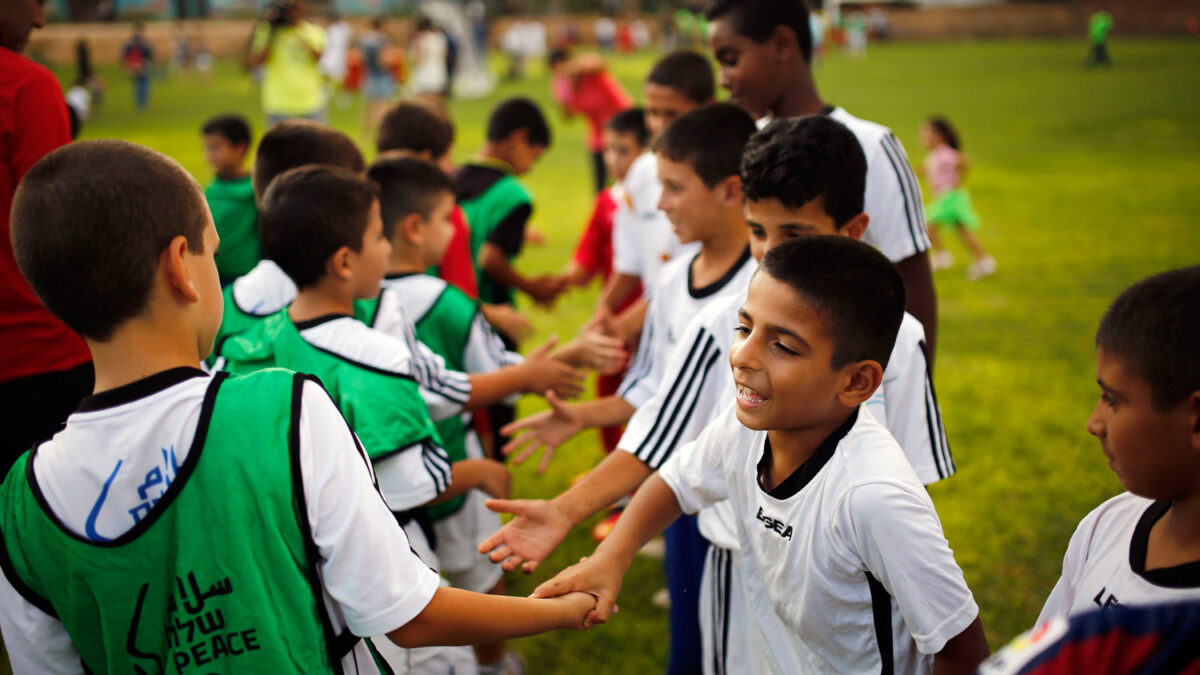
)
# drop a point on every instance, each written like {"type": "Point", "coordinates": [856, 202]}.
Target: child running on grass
{"type": "Point", "coordinates": [945, 168]}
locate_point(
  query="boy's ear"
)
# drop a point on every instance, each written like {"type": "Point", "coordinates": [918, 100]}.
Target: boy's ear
{"type": "Point", "coordinates": [520, 136]}
{"type": "Point", "coordinates": [339, 264]}
{"type": "Point", "coordinates": [862, 379]}
{"type": "Point", "coordinates": [411, 227]}
{"type": "Point", "coordinates": [176, 270]}
{"type": "Point", "coordinates": [783, 42]}
{"type": "Point", "coordinates": [729, 192]}
{"type": "Point", "coordinates": [856, 227]}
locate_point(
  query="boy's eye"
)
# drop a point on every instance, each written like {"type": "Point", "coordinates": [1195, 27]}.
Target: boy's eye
{"type": "Point", "coordinates": [1108, 399]}
{"type": "Point", "coordinates": [758, 233]}
{"type": "Point", "coordinates": [741, 329]}
{"type": "Point", "coordinates": [784, 348]}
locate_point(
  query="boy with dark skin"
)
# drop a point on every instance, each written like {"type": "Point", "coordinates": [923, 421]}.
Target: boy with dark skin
{"type": "Point", "coordinates": [762, 48]}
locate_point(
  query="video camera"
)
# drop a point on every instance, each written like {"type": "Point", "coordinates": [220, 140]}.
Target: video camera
{"type": "Point", "coordinates": [279, 13]}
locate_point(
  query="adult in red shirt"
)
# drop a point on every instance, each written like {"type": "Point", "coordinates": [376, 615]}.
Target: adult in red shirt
{"type": "Point", "coordinates": [45, 368]}
{"type": "Point", "coordinates": [583, 85]}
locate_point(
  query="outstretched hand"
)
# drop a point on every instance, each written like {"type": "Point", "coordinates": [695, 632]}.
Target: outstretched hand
{"type": "Point", "coordinates": [526, 540]}
{"type": "Point", "coordinates": [547, 373]}
{"type": "Point", "coordinates": [547, 429]}
{"type": "Point", "coordinates": [595, 576]}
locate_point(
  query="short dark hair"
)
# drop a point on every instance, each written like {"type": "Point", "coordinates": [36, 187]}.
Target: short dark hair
{"type": "Point", "coordinates": [687, 72]}
{"type": "Point", "coordinates": [946, 130]}
{"type": "Point", "coordinates": [557, 56]}
{"type": "Point", "coordinates": [90, 222]}
{"type": "Point", "coordinates": [757, 19]}
{"type": "Point", "coordinates": [417, 127]}
{"type": "Point", "coordinates": [806, 158]}
{"type": "Point", "coordinates": [856, 290]}
{"type": "Point", "coordinates": [516, 114]}
{"type": "Point", "coordinates": [632, 121]}
{"type": "Point", "coordinates": [407, 185]}
{"type": "Point", "coordinates": [310, 212]}
{"type": "Point", "coordinates": [294, 143]}
{"type": "Point", "coordinates": [710, 138]}
{"type": "Point", "coordinates": [232, 127]}
{"type": "Point", "coordinates": [1154, 329]}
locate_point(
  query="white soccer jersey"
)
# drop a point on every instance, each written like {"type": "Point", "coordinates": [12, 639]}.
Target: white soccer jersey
{"type": "Point", "coordinates": [893, 195]}
{"type": "Point", "coordinates": [121, 450]}
{"type": "Point", "coordinates": [415, 475]}
{"type": "Point", "coordinates": [675, 302]}
{"type": "Point", "coordinates": [643, 240]}
{"type": "Point", "coordinates": [264, 290]}
{"type": "Point", "coordinates": [845, 566]}
{"type": "Point", "coordinates": [484, 351]}
{"type": "Point", "coordinates": [1105, 564]}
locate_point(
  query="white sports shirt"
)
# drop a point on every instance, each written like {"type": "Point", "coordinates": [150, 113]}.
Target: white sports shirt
{"type": "Point", "coordinates": [643, 240]}
{"type": "Point", "coordinates": [674, 304]}
{"type": "Point", "coordinates": [893, 196]}
{"type": "Point", "coordinates": [266, 289]}
{"type": "Point", "coordinates": [109, 467]}
{"type": "Point", "coordinates": [698, 385]}
{"type": "Point", "coordinates": [845, 566]}
{"type": "Point", "coordinates": [1105, 564]}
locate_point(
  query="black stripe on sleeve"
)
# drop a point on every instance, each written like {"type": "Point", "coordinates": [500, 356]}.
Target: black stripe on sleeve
{"type": "Point", "coordinates": [937, 431]}
{"type": "Point", "coordinates": [691, 393]}
{"type": "Point", "coordinates": [881, 611]}
{"type": "Point", "coordinates": [681, 386]}
{"type": "Point", "coordinates": [901, 168]}
{"type": "Point", "coordinates": [437, 463]}
{"type": "Point", "coordinates": [726, 597]}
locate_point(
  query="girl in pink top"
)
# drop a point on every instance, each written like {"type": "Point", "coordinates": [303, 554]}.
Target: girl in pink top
{"type": "Point", "coordinates": [945, 166]}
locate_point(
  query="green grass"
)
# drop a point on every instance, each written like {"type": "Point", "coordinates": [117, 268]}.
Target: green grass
{"type": "Point", "coordinates": [1085, 181]}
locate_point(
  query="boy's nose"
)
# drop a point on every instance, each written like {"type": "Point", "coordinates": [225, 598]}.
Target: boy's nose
{"type": "Point", "coordinates": [1095, 422]}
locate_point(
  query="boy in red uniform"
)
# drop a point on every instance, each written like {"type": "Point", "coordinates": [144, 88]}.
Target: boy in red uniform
{"type": "Point", "coordinates": [583, 85]}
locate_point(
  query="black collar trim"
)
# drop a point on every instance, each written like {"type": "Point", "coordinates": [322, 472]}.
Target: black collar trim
{"type": "Point", "coordinates": [147, 386]}
{"type": "Point", "coordinates": [1186, 575]}
{"type": "Point", "coordinates": [313, 323]}
{"type": "Point", "coordinates": [806, 472]}
{"type": "Point", "coordinates": [828, 109]}
{"type": "Point", "coordinates": [401, 275]}
{"type": "Point", "coordinates": [719, 283]}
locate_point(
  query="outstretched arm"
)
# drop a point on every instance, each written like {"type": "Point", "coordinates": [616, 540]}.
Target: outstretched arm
{"type": "Point", "coordinates": [458, 617]}
{"type": "Point", "coordinates": [653, 508]}
{"type": "Point", "coordinates": [963, 653]}
{"type": "Point", "coordinates": [551, 428]}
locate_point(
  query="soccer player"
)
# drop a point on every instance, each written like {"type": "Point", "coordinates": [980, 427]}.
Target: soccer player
{"type": "Point", "coordinates": [231, 195]}
{"type": "Point", "coordinates": [643, 240]}
{"type": "Point", "coordinates": [698, 159]}
{"type": "Point", "coordinates": [125, 537]}
{"type": "Point", "coordinates": [1143, 546]}
{"type": "Point", "coordinates": [844, 562]}
{"type": "Point", "coordinates": [800, 177]}
{"type": "Point", "coordinates": [764, 50]}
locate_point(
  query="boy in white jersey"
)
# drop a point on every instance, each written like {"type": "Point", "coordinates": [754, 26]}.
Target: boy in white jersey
{"type": "Point", "coordinates": [643, 240]}
{"type": "Point", "coordinates": [799, 176]}
{"type": "Point", "coordinates": [764, 50]}
{"type": "Point", "coordinates": [127, 532]}
{"type": "Point", "coordinates": [698, 159]}
{"type": "Point", "coordinates": [1143, 547]}
{"type": "Point", "coordinates": [844, 563]}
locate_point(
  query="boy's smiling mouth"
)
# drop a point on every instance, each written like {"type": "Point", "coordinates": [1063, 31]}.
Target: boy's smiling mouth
{"type": "Point", "coordinates": [748, 398]}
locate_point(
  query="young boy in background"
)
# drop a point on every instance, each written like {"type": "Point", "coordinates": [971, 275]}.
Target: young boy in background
{"type": "Point", "coordinates": [102, 522]}
{"type": "Point", "coordinates": [625, 139]}
{"type": "Point", "coordinates": [643, 240]}
{"type": "Point", "coordinates": [802, 176]}
{"type": "Point", "coordinates": [231, 195]}
{"type": "Point", "coordinates": [698, 160]}
{"type": "Point", "coordinates": [764, 51]}
{"type": "Point", "coordinates": [845, 566]}
{"type": "Point", "coordinates": [1143, 547]}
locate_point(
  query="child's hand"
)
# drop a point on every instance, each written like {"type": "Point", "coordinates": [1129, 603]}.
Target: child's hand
{"type": "Point", "coordinates": [593, 349]}
{"type": "Point", "coordinates": [508, 321]}
{"type": "Point", "coordinates": [551, 374]}
{"type": "Point", "coordinates": [534, 237]}
{"type": "Point", "coordinates": [526, 540]}
{"type": "Point", "coordinates": [494, 478]}
{"type": "Point", "coordinates": [548, 429]}
{"type": "Point", "coordinates": [579, 607]}
{"type": "Point", "coordinates": [595, 576]}
{"type": "Point", "coordinates": [545, 289]}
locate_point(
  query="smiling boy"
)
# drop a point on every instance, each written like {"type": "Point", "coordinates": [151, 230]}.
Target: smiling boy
{"type": "Point", "coordinates": [845, 565]}
{"type": "Point", "coordinates": [1143, 547]}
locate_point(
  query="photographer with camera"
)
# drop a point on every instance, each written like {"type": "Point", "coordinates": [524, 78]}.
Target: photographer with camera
{"type": "Point", "coordinates": [290, 48]}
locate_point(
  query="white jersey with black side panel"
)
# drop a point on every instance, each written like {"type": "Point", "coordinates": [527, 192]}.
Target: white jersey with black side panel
{"type": "Point", "coordinates": [121, 450]}
{"type": "Point", "coordinates": [264, 290]}
{"type": "Point", "coordinates": [893, 196]}
{"type": "Point", "coordinates": [1105, 564]}
{"type": "Point", "coordinates": [676, 301]}
{"type": "Point", "coordinates": [845, 566]}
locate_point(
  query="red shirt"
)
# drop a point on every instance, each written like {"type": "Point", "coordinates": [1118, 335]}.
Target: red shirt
{"type": "Point", "coordinates": [457, 268]}
{"type": "Point", "coordinates": [33, 121]}
{"type": "Point", "coordinates": [597, 96]}
{"type": "Point", "coordinates": [595, 251]}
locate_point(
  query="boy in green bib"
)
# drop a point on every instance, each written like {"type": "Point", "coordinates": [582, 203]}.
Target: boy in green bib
{"type": "Point", "coordinates": [188, 523]}
{"type": "Point", "coordinates": [231, 195]}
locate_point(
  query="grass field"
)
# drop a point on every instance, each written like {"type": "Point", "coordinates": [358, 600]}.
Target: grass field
{"type": "Point", "coordinates": [1086, 183]}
